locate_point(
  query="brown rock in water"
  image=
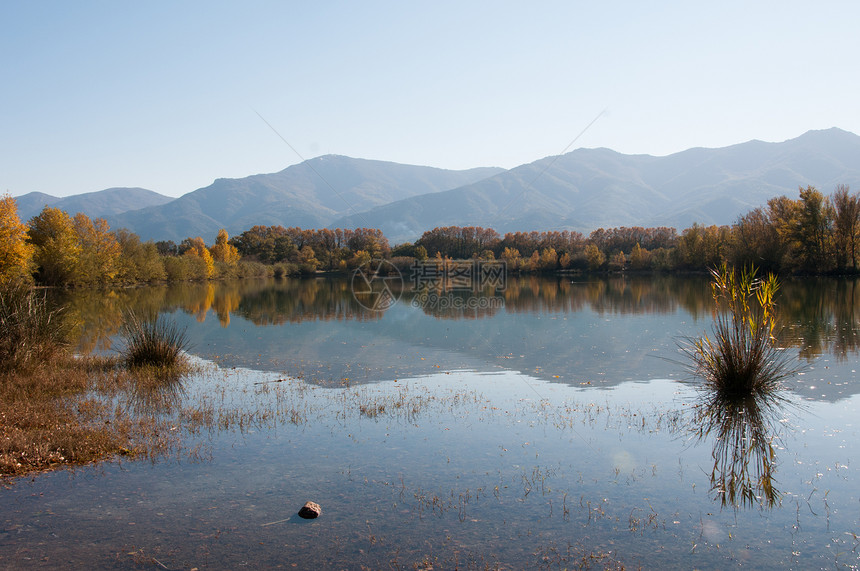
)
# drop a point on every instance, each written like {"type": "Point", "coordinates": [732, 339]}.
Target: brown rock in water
{"type": "Point", "coordinates": [310, 510]}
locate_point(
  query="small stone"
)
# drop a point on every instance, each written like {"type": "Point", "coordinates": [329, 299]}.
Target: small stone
{"type": "Point", "coordinates": [310, 510]}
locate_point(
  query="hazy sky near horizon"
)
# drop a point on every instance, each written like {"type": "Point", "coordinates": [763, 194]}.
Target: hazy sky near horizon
{"type": "Point", "coordinates": [166, 95]}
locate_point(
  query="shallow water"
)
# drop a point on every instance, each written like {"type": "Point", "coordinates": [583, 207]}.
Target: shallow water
{"type": "Point", "coordinates": [555, 429]}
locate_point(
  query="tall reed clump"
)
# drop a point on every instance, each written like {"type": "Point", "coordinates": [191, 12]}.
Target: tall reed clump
{"type": "Point", "coordinates": [151, 341]}
{"type": "Point", "coordinates": [741, 357]}
{"type": "Point", "coordinates": [742, 394]}
{"type": "Point", "coordinates": [31, 331]}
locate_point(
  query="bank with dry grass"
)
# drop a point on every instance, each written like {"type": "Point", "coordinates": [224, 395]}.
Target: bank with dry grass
{"type": "Point", "coordinates": [59, 409]}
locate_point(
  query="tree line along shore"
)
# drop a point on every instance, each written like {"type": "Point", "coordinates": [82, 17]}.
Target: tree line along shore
{"type": "Point", "coordinates": [813, 234]}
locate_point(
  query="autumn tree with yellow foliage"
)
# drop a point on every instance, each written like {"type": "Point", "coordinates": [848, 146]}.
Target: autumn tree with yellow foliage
{"type": "Point", "coordinates": [223, 251]}
{"type": "Point", "coordinates": [198, 249]}
{"type": "Point", "coordinates": [16, 253]}
{"type": "Point", "coordinates": [98, 261]}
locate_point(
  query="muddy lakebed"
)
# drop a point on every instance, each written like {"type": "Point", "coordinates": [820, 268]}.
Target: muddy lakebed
{"type": "Point", "coordinates": [548, 425]}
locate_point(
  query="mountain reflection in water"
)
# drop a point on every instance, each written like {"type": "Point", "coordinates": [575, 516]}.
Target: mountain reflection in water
{"type": "Point", "coordinates": [560, 328]}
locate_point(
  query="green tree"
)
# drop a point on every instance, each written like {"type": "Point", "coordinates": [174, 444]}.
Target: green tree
{"type": "Point", "coordinates": [783, 214]}
{"type": "Point", "coordinates": [815, 220]}
{"type": "Point", "coordinates": [327, 247]}
{"type": "Point", "coordinates": [57, 249]}
{"type": "Point", "coordinates": [267, 244]}
{"type": "Point", "coordinates": [405, 250]}
{"type": "Point", "coordinates": [804, 228]}
{"type": "Point", "coordinates": [167, 248]}
{"type": "Point", "coordinates": [459, 242]}
{"type": "Point", "coordinates": [370, 240]}
{"type": "Point", "coordinates": [846, 226]}
{"type": "Point", "coordinates": [139, 262]}
{"type": "Point", "coordinates": [701, 247]}
{"type": "Point", "coordinates": [756, 241]}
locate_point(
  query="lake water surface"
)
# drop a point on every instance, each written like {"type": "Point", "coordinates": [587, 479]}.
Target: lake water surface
{"type": "Point", "coordinates": [548, 425]}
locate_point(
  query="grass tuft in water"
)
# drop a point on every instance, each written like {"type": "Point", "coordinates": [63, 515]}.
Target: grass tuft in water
{"type": "Point", "coordinates": [741, 357]}
{"type": "Point", "coordinates": [742, 393]}
{"type": "Point", "coordinates": [153, 342]}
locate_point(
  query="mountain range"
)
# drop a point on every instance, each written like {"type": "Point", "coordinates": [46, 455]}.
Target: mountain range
{"type": "Point", "coordinates": [581, 190]}
{"type": "Point", "coordinates": [591, 188]}
{"type": "Point", "coordinates": [100, 204]}
{"type": "Point", "coordinates": [312, 194]}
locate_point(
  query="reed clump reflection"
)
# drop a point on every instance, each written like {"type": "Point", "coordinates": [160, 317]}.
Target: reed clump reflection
{"type": "Point", "coordinates": [742, 394]}
{"type": "Point", "coordinates": [156, 352]}
{"type": "Point", "coordinates": [744, 430]}
{"type": "Point", "coordinates": [157, 391]}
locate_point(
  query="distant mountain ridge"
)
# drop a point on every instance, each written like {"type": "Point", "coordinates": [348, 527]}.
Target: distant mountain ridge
{"type": "Point", "coordinates": [312, 194]}
{"type": "Point", "coordinates": [100, 204]}
{"type": "Point", "coordinates": [581, 190]}
{"type": "Point", "coordinates": [591, 188]}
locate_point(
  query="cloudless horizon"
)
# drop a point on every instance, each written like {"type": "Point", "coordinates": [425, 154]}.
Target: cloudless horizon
{"type": "Point", "coordinates": [170, 97]}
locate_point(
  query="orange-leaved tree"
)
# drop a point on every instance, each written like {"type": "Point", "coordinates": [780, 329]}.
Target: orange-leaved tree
{"type": "Point", "coordinates": [16, 254]}
{"type": "Point", "coordinates": [222, 251]}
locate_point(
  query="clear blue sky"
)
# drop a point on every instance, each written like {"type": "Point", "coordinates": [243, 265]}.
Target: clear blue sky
{"type": "Point", "coordinates": [165, 95]}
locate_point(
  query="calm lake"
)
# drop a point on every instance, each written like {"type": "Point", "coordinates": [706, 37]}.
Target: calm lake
{"type": "Point", "coordinates": [547, 424]}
